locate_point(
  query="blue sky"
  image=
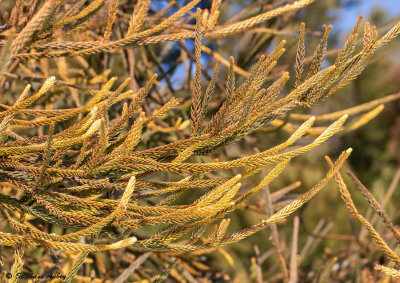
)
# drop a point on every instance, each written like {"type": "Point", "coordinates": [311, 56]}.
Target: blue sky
{"type": "Point", "coordinates": [392, 6]}
{"type": "Point", "coordinates": [349, 14]}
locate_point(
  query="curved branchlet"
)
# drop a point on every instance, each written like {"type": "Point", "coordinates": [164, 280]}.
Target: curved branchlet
{"type": "Point", "coordinates": [112, 166]}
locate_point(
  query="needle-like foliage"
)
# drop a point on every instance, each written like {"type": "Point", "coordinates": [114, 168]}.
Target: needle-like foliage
{"type": "Point", "coordinates": [85, 165]}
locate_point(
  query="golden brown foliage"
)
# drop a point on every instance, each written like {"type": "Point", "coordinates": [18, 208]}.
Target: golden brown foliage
{"type": "Point", "coordinates": [83, 167]}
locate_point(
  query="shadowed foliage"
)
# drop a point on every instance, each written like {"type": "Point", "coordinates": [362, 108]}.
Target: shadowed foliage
{"type": "Point", "coordinates": [104, 155]}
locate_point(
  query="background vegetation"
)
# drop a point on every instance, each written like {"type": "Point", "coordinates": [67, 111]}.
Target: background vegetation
{"type": "Point", "coordinates": [325, 240]}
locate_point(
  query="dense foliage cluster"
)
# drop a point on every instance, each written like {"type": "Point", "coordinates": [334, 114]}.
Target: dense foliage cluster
{"type": "Point", "coordinates": [101, 151]}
